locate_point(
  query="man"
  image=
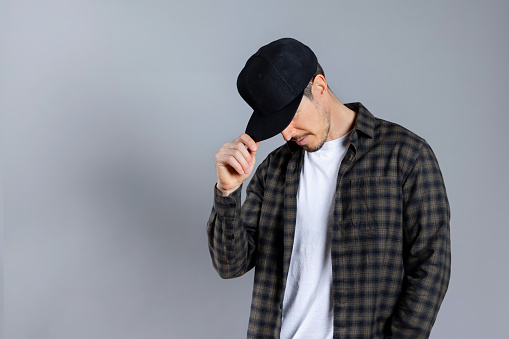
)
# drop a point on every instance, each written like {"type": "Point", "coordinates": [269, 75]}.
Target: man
{"type": "Point", "coordinates": [347, 224]}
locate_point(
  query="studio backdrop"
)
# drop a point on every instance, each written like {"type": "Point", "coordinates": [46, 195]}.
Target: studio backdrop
{"type": "Point", "coordinates": [112, 112]}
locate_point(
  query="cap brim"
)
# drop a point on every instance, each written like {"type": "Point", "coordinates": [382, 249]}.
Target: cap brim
{"type": "Point", "coordinates": [262, 127]}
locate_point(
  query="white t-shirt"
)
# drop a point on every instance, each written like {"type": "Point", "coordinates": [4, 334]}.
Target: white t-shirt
{"type": "Point", "coordinates": [307, 304]}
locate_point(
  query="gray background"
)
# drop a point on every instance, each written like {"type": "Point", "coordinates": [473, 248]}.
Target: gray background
{"type": "Point", "coordinates": [112, 112]}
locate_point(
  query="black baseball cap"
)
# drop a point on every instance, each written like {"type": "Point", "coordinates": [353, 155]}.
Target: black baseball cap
{"type": "Point", "coordinates": [272, 82]}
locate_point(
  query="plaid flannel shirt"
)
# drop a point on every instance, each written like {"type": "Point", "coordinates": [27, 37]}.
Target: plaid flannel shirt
{"type": "Point", "coordinates": [390, 243]}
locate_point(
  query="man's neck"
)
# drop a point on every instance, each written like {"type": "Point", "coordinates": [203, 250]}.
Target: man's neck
{"type": "Point", "coordinates": [342, 118]}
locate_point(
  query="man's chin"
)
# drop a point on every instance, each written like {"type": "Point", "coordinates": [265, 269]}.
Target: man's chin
{"type": "Point", "coordinates": [313, 148]}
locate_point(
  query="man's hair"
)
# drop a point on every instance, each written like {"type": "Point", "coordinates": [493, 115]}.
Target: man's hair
{"type": "Point", "coordinates": [307, 90]}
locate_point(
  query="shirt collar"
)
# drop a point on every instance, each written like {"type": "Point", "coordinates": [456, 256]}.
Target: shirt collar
{"type": "Point", "coordinates": [364, 123]}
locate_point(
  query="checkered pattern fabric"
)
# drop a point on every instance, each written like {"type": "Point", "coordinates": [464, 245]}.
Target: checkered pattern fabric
{"type": "Point", "coordinates": [390, 244]}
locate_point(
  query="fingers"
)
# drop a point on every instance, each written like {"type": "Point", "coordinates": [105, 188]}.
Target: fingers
{"type": "Point", "coordinates": [239, 154]}
{"type": "Point", "coordinates": [246, 156]}
{"type": "Point", "coordinates": [233, 162]}
{"type": "Point", "coordinates": [256, 146]}
{"type": "Point", "coordinates": [248, 141]}
{"type": "Point", "coordinates": [235, 155]}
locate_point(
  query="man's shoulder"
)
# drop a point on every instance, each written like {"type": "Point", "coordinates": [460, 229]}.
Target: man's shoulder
{"type": "Point", "coordinates": [281, 154]}
{"type": "Point", "coordinates": [382, 131]}
{"type": "Point", "coordinates": [393, 133]}
{"type": "Point", "coordinates": [278, 158]}
{"type": "Point", "coordinates": [282, 151]}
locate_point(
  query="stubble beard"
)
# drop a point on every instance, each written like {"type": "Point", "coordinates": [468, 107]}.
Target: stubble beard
{"type": "Point", "coordinates": [324, 135]}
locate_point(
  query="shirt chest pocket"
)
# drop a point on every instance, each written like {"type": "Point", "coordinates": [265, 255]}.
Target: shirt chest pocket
{"type": "Point", "coordinates": [376, 202]}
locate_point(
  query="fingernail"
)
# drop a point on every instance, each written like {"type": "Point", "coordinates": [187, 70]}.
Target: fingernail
{"type": "Point", "coordinates": [253, 147]}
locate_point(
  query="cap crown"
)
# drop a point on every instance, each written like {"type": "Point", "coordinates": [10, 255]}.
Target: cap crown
{"type": "Point", "coordinates": [275, 75]}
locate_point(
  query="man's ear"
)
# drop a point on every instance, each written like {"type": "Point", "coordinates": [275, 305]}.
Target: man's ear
{"type": "Point", "coordinates": [319, 88]}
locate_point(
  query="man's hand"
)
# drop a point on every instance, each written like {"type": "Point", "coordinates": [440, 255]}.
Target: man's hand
{"type": "Point", "coordinates": [234, 163]}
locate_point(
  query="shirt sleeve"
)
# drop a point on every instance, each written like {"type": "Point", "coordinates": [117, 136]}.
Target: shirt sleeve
{"type": "Point", "coordinates": [427, 252]}
{"type": "Point", "coordinates": [232, 229]}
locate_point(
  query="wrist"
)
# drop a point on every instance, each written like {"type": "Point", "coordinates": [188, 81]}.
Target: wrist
{"type": "Point", "coordinates": [226, 192]}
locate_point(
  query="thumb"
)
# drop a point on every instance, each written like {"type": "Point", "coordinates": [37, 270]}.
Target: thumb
{"type": "Point", "coordinates": [253, 155]}
{"type": "Point", "coordinates": [253, 148]}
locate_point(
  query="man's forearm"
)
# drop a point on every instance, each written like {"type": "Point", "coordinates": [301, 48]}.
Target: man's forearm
{"type": "Point", "coordinates": [231, 245]}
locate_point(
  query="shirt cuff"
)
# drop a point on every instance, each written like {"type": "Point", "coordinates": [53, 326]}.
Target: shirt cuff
{"type": "Point", "coordinates": [226, 206]}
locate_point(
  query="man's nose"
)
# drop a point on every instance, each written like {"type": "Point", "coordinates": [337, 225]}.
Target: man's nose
{"type": "Point", "coordinates": [287, 132]}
